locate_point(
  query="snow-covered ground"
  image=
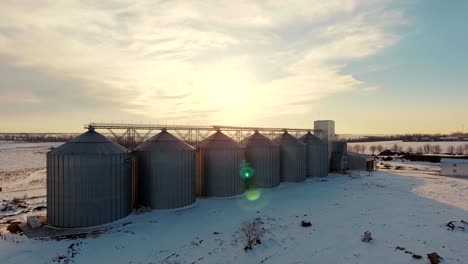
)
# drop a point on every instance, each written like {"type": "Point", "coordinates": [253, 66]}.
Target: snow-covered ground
{"type": "Point", "coordinates": [405, 207]}
{"type": "Point", "coordinates": [389, 144]}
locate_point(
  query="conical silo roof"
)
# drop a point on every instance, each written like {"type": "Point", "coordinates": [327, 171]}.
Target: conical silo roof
{"type": "Point", "coordinates": [219, 140]}
{"type": "Point", "coordinates": [311, 139]}
{"type": "Point", "coordinates": [90, 142]}
{"type": "Point", "coordinates": [288, 139]}
{"type": "Point", "coordinates": [293, 158]}
{"type": "Point", "coordinates": [164, 140]}
{"type": "Point", "coordinates": [258, 140]}
{"type": "Point", "coordinates": [263, 155]}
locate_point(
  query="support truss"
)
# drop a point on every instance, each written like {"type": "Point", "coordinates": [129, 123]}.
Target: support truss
{"type": "Point", "coordinates": [132, 135]}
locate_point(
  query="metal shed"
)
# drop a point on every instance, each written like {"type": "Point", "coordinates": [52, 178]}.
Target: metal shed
{"type": "Point", "coordinates": [454, 167]}
{"type": "Point", "coordinates": [317, 156]}
{"type": "Point", "coordinates": [293, 158]}
{"type": "Point", "coordinates": [88, 182]}
{"type": "Point", "coordinates": [219, 162]}
{"type": "Point", "coordinates": [357, 161]}
{"type": "Point", "coordinates": [264, 157]}
{"type": "Point", "coordinates": [166, 172]}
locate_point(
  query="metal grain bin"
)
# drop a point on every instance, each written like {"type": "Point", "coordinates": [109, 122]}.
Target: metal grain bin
{"type": "Point", "coordinates": [264, 156]}
{"type": "Point", "coordinates": [338, 161]}
{"type": "Point", "coordinates": [88, 182]}
{"type": "Point", "coordinates": [293, 158]}
{"type": "Point", "coordinates": [166, 172]}
{"type": "Point", "coordinates": [317, 156]}
{"type": "Point", "coordinates": [220, 159]}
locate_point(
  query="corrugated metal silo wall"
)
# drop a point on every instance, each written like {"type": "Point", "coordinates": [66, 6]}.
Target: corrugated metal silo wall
{"type": "Point", "coordinates": [87, 190]}
{"type": "Point", "coordinates": [218, 172]}
{"type": "Point", "coordinates": [200, 175]}
{"type": "Point", "coordinates": [293, 163]}
{"type": "Point", "coordinates": [265, 160]}
{"type": "Point", "coordinates": [317, 160]}
{"type": "Point", "coordinates": [339, 156]}
{"type": "Point", "coordinates": [166, 179]}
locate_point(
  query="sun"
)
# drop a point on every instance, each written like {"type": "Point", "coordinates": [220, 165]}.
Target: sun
{"type": "Point", "coordinates": [231, 94]}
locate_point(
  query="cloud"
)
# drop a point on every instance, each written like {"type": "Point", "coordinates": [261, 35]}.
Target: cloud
{"type": "Point", "coordinates": [195, 59]}
{"type": "Point", "coordinates": [21, 97]}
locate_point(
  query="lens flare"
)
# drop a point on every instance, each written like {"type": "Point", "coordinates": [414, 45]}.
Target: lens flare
{"type": "Point", "coordinates": [255, 199]}
{"type": "Point", "coordinates": [246, 171]}
{"type": "Point", "coordinates": [253, 195]}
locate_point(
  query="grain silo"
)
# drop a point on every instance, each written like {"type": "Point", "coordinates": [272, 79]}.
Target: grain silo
{"type": "Point", "coordinates": [88, 182]}
{"type": "Point", "coordinates": [339, 157]}
{"type": "Point", "coordinates": [219, 162]}
{"type": "Point", "coordinates": [264, 157]}
{"type": "Point", "coordinates": [317, 156]}
{"type": "Point", "coordinates": [293, 158]}
{"type": "Point", "coordinates": [166, 172]}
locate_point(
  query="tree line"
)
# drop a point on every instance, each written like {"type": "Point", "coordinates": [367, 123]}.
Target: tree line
{"type": "Point", "coordinates": [36, 137]}
{"type": "Point", "coordinates": [412, 137]}
{"type": "Point", "coordinates": [423, 149]}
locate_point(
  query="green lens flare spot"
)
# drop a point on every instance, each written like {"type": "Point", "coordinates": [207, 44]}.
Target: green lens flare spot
{"type": "Point", "coordinates": [253, 195]}
{"type": "Point", "coordinates": [246, 171]}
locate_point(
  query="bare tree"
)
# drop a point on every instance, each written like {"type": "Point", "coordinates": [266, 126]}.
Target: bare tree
{"type": "Point", "coordinates": [373, 148]}
{"type": "Point", "coordinates": [426, 148]}
{"type": "Point", "coordinates": [379, 148]}
{"type": "Point", "coordinates": [436, 149]}
{"type": "Point", "coordinates": [451, 149]}
{"type": "Point", "coordinates": [252, 232]}
{"type": "Point", "coordinates": [409, 149]}
{"type": "Point", "coordinates": [419, 150]}
{"type": "Point", "coordinates": [460, 150]}
{"type": "Point", "coordinates": [363, 148]}
{"type": "Point", "coordinates": [395, 147]}
{"type": "Point", "coordinates": [354, 148]}
{"type": "Point", "coordinates": [465, 149]}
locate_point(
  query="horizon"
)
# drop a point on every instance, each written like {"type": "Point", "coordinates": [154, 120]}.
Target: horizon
{"type": "Point", "coordinates": [374, 67]}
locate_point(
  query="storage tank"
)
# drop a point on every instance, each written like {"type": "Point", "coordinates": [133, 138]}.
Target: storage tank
{"type": "Point", "coordinates": [339, 156]}
{"type": "Point", "coordinates": [264, 157]}
{"type": "Point", "coordinates": [317, 156]}
{"type": "Point", "coordinates": [293, 158]}
{"type": "Point", "coordinates": [220, 160]}
{"type": "Point", "coordinates": [88, 182]}
{"type": "Point", "coordinates": [166, 172]}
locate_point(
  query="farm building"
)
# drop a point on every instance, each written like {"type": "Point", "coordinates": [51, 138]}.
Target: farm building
{"type": "Point", "coordinates": [454, 167]}
{"type": "Point", "coordinates": [357, 161]}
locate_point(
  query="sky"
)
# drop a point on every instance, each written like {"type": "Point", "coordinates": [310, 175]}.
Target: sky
{"type": "Point", "coordinates": [373, 66]}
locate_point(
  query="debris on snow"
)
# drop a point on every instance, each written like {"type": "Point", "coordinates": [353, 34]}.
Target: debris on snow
{"type": "Point", "coordinates": [452, 225]}
{"type": "Point", "coordinates": [367, 237]}
{"type": "Point", "coordinates": [434, 258]}
{"type": "Point", "coordinates": [305, 223]}
{"type": "Point", "coordinates": [39, 208]}
{"type": "Point", "coordinates": [33, 222]}
{"type": "Point", "coordinates": [400, 248]}
{"type": "Point", "coordinates": [72, 251]}
{"type": "Point", "coordinates": [14, 228]}
{"type": "Point", "coordinates": [417, 256]}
